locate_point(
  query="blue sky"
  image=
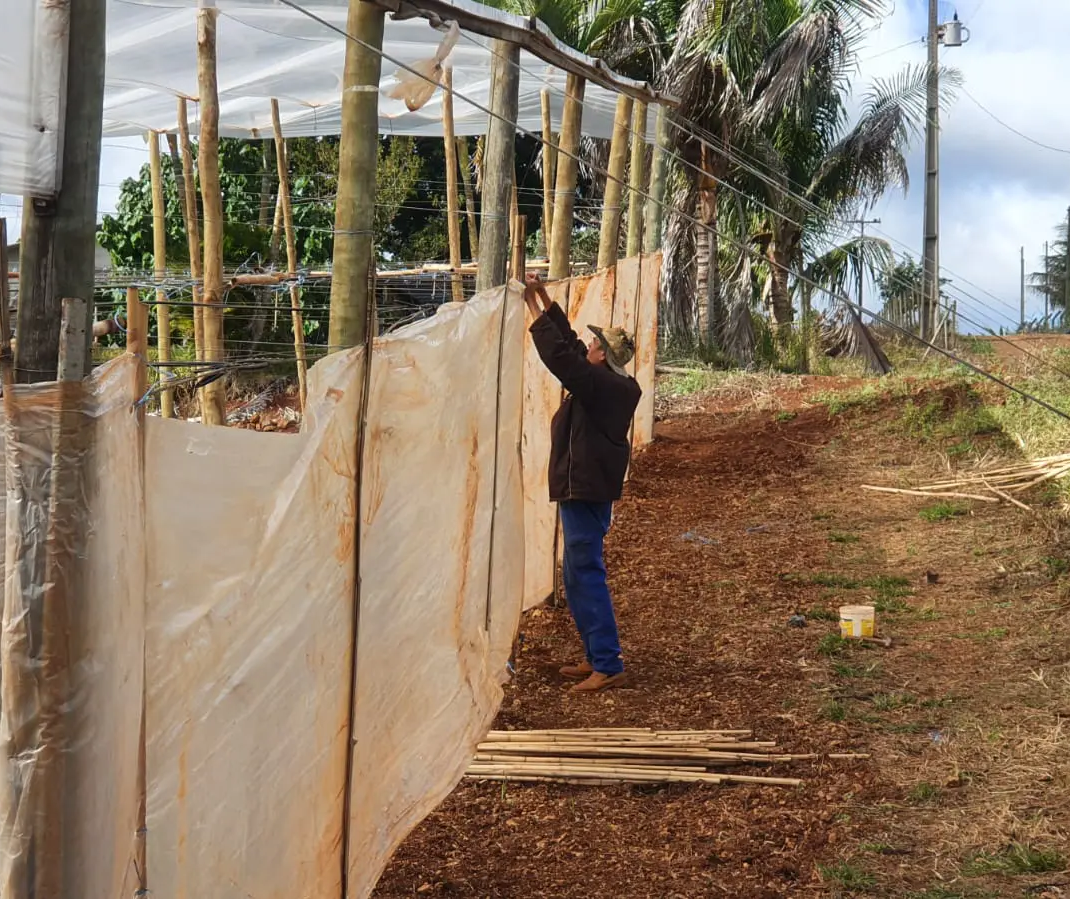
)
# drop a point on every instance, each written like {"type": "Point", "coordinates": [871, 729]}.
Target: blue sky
{"type": "Point", "coordinates": [998, 191]}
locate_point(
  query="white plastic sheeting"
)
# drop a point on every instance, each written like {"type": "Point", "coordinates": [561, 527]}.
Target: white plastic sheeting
{"type": "Point", "coordinates": [269, 50]}
{"type": "Point", "coordinates": [33, 71]}
{"type": "Point", "coordinates": [215, 576]}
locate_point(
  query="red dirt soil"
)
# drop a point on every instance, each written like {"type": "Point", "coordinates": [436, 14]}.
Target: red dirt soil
{"type": "Point", "coordinates": [704, 632]}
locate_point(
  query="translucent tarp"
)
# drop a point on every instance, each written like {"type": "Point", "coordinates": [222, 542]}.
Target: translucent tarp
{"type": "Point", "coordinates": [265, 50]}
{"type": "Point", "coordinates": [32, 72]}
{"type": "Point", "coordinates": [314, 681]}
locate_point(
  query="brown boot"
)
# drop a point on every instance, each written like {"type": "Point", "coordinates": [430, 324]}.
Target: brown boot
{"type": "Point", "coordinates": [577, 672]}
{"type": "Point", "coordinates": [598, 682]}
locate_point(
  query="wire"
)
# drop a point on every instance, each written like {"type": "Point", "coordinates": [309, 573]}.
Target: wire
{"type": "Point", "coordinates": [1012, 129]}
{"type": "Point", "coordinates": [728, 238]}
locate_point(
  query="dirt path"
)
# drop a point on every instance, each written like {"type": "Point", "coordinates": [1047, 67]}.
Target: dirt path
{"type": "Point", "coordinates": [966, 793]}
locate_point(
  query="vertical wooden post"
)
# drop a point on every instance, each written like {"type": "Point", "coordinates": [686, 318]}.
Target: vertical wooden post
{"type": "Point", "coordinates": [453, 221]}
{"type": "Point", "coordinates": [609, 238]}
{"type": "Point", "coordinates": [567, 174]}
{"type": "Point", "coordinates": [499, 159]}
{"type": "Point", "coordinates": [469, 197]}
{"type": "Point", "coordinates": [159, 261]}
{"type": "Point", "coordinates": [549, 162]}
{"type": "Point", "coordinates": [58, 247]}
{"type": "Point", "coordinates": [193, 231]}
{"type": "Point", "coordinates": [520, 235]}
{"type": "Point", "coordinates": [637, 180]}
{"type": "Point", "coordinates": [282, 161]}
{"type": "Point", "coordinates": [655, 205]}
{"type": "Point", "coordinates": [6, 353]}
{"type": "Point", "coordinates": [137, 342]}
{"type": "Point", "coordinates": [212, 203]}
{"type": "Point", "coordinates": [354, 238]}
{"type": "Point", "coordinates": [514, 212]}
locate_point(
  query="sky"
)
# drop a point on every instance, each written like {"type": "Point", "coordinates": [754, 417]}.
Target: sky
{"type": "Point", "coordinates": [999, 192]}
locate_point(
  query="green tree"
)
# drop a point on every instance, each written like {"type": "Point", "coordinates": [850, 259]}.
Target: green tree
{"type": "Point", "coordinates": [1052, 281]}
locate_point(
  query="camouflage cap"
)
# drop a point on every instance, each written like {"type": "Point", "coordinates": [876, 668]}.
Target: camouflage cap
{"type": "Point", "coordinates": [618, 345]}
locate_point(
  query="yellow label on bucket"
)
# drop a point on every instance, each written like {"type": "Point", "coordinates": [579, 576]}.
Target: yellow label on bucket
{"type": "Point", "coordinates": [856, 622]}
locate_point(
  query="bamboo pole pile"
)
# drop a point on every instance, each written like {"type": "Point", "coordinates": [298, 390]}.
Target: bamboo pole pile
{"type": "Point", "coordinates": [628, 755]}
{"type": "Point", "coordinates": [993, 485]}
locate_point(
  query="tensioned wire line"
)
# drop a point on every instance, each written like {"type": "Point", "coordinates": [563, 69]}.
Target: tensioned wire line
{"type": "Point", "coordinates": [838, 229]}
{"type": "Point", "coordinates": [749, 164]}
{"type": "Point", "coordinates": [730, 239]}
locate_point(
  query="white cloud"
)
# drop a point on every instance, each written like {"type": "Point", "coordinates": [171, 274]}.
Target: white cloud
{"type": "Point", "coordinates": [998, 192]}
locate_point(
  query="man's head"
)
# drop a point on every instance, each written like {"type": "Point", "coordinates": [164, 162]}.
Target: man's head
{"type": "Point", "coordinates": [613, 347]}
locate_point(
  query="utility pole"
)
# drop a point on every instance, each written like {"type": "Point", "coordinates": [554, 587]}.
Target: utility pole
{"type": "Point", "coordinates": [58, 247]}
{"type": "Point", "coordinates": [931, 254]}
{"type": "Point", "coordinates": [861, 239]}
{"type": "Point", "coordinates": [1021, 327]}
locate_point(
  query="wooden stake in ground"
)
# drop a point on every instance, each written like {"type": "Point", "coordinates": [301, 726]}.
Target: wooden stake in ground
{"type": "Point", "coordinates": [282, 159]}
{"type": "Point", "coordinates": [469, 197]}
{"type": "Point", "coordinates": [215, 412]}
{"type": "Point", "coordinates": [637, 180]}
{"type": "Point", "coordinates": [498, 164]}
{"type": "Point", "coordinates": [567, 173]}
{"type": "Point", "coordinates": [354, 221]}
{"type": "Point", "coordinates": [655, 204]}
{"type": "Point", "coordinates": [609, 238]}
{"type": "Point", "coordinates": [159, 262]}
{"type": "Point", "coordinates": [549, 163]}
{"type": "Point", "coordinates": [193, 233]}
{"type": "Point", "coordinates": [453, 221]}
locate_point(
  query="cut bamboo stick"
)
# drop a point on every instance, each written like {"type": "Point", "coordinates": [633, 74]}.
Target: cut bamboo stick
{"type": "Point", "coordinates": [453, 221]}
{"type": "Point", "coordinates": [193, 236]}
{"type": "Point", "coordinates": [469, 197]}
{"type": "Point", "coordinates": [609, 238]}
{"type": "Point", "coordinates": [159, 262]}
{"type": "Point", "coordinates": [549, 161]}
{"type": "Point", "coordinates": [982, 499]}
{"type": "Point", "coordinates": [282, 160]}
{"type": "Point", "coordinates": [215, 412]}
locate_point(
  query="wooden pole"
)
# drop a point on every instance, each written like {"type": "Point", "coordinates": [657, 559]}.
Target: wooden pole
{"type": "Point", "coordinates": [453, 221]}
{"type": "Point", "coordinates": [58, 247]}
{"type": "Point", "coordinates": [567, 174]}
{"type": "Point", "coordinates": [609, 238]}
{"type": "Point", "coordinates": [6, 352]}
{"type": "Point", "coordinates": [519, 254]}
{"type": "Point", "coordinates": [637, 180]}
{"type": "Point", "coordinates": [354, 239]}
{"type": "Point", "coordinates": [193, 230]}
{"type": "Point", "coordinates": [499, 159]}
{"type": "Point", "coordinates": [159, 260]}
{"type": "Point", "coordinates": [282, 161]}
{"type": "Point", "coordinates": [212, 203]}
{"type": "Point", "coordinates": [655, 205]}
{"type": "Point", "coordinates": [469, 197]}
{"type": "Point", "coordinates": [549, 162]}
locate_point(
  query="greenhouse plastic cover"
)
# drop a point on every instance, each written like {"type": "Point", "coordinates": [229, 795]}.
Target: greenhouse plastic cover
{"type": "Point", "coordinates": [265, 50]}
{"type": "Point", "coordinates": [313, 681]}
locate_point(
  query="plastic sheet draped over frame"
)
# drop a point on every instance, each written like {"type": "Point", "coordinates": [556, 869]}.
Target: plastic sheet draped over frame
{"type": "Point", "coordinates": [33, 69]}
{"type": "Point", "coordinates": [251, 603]}
{"type": "Point", "coordinates": [624, 296]}
{"type": "Point", "coordinates": [72, 642]}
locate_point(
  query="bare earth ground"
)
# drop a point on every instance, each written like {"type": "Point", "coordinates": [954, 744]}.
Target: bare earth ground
{"type": "Point", "coordinates": [966, 716]}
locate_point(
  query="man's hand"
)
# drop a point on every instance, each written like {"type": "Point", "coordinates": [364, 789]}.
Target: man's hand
{"type": "Point", "coordinates": [534, 292]}
{"type": "Point", "coordinates": [535, 284]}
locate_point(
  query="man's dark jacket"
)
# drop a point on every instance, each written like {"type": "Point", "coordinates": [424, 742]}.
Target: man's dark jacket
{"type": "Point", "coordinates": [589, 446]}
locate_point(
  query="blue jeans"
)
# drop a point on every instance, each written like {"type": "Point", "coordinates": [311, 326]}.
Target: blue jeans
{"type": "Point", "coordinates": [585, 526]}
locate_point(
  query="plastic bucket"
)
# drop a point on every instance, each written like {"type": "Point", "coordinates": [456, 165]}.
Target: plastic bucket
{"type": "Point", "coordinates": [857, 622]}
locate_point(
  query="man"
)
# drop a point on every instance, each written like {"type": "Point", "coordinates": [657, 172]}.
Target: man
{"type": "Point", "coordinates": [589, 454]}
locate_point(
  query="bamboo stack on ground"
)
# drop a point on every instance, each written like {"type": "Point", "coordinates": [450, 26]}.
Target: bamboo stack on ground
{"type": "Point", "coordinates": [991, 485]}
{"type": "Point", "coordinates": [629, 755]}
